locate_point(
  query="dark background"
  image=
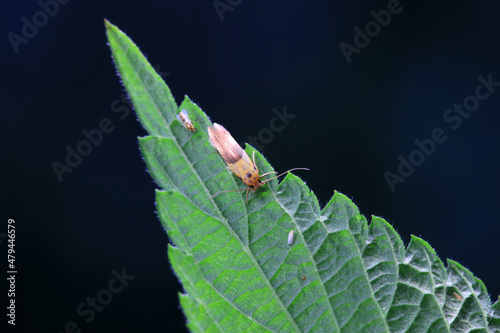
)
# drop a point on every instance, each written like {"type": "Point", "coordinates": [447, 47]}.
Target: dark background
{"type": "Point", "coordinates": [352, 122]}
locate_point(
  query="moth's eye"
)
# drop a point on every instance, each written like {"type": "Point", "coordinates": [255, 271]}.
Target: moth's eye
{"type": "Point", "coordinates": [249, 175]}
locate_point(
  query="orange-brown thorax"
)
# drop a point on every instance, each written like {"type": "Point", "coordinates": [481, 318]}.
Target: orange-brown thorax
{"type": "Point", "coordinates": [246, 170]}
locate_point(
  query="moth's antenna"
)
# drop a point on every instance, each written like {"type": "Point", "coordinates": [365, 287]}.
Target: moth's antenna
{"type": "Point", "coordinates": [281, 174]}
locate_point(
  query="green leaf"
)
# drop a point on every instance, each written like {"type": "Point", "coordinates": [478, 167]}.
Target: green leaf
{"type": "Point", "coordinates": [233, 259]}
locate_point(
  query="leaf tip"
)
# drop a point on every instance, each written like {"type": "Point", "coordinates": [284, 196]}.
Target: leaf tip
{"type": "Point", "coordinates": [107, 24]}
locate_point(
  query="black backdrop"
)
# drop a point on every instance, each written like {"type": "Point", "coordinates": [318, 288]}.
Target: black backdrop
{"type": "Point", "coordinates": [352, 121]}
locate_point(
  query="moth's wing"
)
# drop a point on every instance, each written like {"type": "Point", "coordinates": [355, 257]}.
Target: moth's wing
{"type": "Point", "coordinates": [180, 119]}
{"type": "Point", "coordinates": [227, 147]}
{"type": "Point", "coordinates": [236, 158]}
{"type": "Point", "coordinates": [184, 112]}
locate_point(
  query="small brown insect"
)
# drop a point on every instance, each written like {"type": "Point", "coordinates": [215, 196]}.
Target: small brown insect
{"type": "Point", "coordinates": [237, 160]}
{"type": "Point", "coordinates": [183, 117]}
{"type": "Point", "coordinates": [458, 296]}
{"type": "Point", "coordinates": [303, 278]}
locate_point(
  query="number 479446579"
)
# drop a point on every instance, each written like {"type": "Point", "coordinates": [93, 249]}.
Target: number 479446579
{"type": "Point", "coordinates": [11, 231]}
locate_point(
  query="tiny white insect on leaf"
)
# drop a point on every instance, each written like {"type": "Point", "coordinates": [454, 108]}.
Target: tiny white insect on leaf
{"type": "Point", "coordinates": [290, 237]}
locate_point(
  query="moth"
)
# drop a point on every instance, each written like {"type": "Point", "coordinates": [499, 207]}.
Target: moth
{"type": "Point", "coordinates": [183, 117]}
{"type": "Point", "coordinates": [238, 161]}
